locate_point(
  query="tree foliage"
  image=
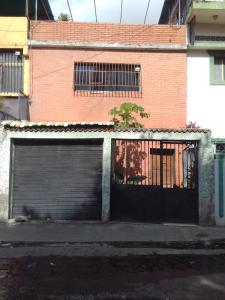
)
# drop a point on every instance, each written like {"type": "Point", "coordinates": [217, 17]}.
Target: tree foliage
{"type": "Point", "coordinates": [64, 17]}
{"type": "Point", "coordinates": [126, 115]}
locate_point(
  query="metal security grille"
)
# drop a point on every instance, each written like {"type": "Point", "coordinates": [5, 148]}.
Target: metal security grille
{"type": "Point", "coordinates": [154, 181]}
{"type": "Point", "coordinates": [11, 71]}
{"type": "Point", "coordinates": [155, 163]}
{"type": "Point", "coordinates": [107, 79]}
{"type": "Point", "coordinates": [57, 179]}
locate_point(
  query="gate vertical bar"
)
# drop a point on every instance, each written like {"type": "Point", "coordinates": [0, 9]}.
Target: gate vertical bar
{"type": "Point", "coordinates": [161, 180]}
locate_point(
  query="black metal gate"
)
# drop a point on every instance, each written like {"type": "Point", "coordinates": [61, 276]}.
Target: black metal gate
{"type": "Point", "coordinates": [154, 181]}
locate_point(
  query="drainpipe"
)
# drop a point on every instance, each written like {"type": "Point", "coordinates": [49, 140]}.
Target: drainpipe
{"type": "Point", "coordinates": [36, 10]}
{"type": "Point", "coordinates": [27, 9]}
{"type": "Point", "coordinates": [179, 12]}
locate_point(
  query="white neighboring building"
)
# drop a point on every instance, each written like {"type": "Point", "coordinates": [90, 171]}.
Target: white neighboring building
{"type": "Point", "coordinates": [205, 76]}
{"type": "Point", "coordinates": [206, 83]}
{"type": "Point", "coordinates": [206, 65]}
{"type": "Point", "coordinates": [205, 100]}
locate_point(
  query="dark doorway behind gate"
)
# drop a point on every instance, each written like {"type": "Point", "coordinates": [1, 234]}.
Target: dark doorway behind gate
{"type": "Point", "coordinates": [154, 181]}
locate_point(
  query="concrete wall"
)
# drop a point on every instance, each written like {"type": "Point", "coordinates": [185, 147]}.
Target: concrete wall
{"type": "Point", "coordinates": [4, 174]}
{"type": "Point", "coordinates": [205, 102]}
{"type": "Point", "coordinates": [206, 183]}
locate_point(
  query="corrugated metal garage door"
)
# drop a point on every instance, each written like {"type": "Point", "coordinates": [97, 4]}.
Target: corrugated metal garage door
{"type": "Point", "coordinates": [58, 180]}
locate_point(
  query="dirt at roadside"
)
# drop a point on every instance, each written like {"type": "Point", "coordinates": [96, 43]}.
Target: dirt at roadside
{"type": "Point", "coordinates": [55, 277]}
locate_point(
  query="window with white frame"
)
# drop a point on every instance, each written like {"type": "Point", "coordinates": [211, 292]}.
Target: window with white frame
{"type": "Point", "coordinates": [217, 69]}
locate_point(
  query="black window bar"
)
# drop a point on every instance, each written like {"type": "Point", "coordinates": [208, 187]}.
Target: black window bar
{"type": "Point", "coordinates": [122, 80]}
{"type": "Point", "coordinates": [155, 163]}
{"type": "Point", "coordinates": [11, 71]}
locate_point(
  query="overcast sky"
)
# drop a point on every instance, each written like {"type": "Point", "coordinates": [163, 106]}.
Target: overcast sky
{"type": "Point", "coordinates": [109, 10]}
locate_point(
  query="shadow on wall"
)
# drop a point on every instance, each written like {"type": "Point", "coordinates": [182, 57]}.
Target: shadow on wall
{"type": "Point", "coordinates": [129, 163]}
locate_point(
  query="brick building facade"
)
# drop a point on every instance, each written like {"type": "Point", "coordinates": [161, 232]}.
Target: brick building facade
{"type": "Point", "coordinates": [81, 70]}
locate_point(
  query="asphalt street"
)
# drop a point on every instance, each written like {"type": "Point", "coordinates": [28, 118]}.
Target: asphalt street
{"type": "Point", "coordinates": [156, 277]}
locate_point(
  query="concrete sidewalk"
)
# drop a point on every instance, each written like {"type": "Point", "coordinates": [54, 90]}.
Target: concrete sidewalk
{"type": "Point", "coordinates": [112, 239]}
{"type": "Point", "coordinates": [73, 232]}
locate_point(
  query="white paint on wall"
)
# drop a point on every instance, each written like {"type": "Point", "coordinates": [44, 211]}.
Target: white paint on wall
{"type": "Point", "coordinates": [205, 102]}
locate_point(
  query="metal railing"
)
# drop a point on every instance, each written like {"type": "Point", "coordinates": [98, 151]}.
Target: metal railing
{"type": "Point", "coordinates": [11, 71]}
{"type": "Point", "coordinates": [107, 79]}
{"type": "Point", "coordinates": [155, 163]}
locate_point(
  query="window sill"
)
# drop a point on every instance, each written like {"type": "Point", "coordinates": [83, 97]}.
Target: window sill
{"type": "Point", "coordinates": [131, 94]}
{"type": "Point", "coordinates": [5, 94]}
{"type": "Point", "coordinates": [217, 83]}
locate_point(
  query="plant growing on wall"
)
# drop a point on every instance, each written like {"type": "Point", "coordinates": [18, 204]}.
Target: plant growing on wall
{"type": "Point", "coordinates": [64, 17]}
{"type": "Point", "coordinates": [126, 115]}
{"type": "Point", "coordinates": [192, 125]}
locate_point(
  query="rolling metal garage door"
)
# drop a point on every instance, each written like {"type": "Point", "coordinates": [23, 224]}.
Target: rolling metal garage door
{"type": "Point", "coordinates": [59, 180]}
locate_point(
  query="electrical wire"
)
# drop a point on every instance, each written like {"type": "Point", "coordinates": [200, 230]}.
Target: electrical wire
{"type": "Point", "coordinates": [146, 13]}
{"type": "Point", "coordinates": [121, 11]}
{"type": "Point", "coordinates": [68, 4]}
{"type": "Point", "coordinates": [96, 17]}
{"type": "Point", "coordinates": [45, 10]}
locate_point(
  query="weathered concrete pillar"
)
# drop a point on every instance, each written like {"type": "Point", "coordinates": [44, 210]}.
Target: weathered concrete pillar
{"type": "Point", "coordinates": [106, 178]}
{"type": "Point", "coordinates": [206, 182]}
{"type": "Point", "coordinates": [4, 174]}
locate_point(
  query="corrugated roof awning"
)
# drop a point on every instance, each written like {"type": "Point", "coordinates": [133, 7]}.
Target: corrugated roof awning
{"type": "Point", "coordinates": [88, 126]}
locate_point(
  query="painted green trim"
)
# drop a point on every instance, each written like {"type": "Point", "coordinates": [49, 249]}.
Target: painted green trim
{"type": "Point", "coordinates": [212, 80]}
{"type": "Point", "coordinates": [220, 185]}
{"type": "Point", "coordinates": [208, 45]}
{"type": "Point", "coordinates": [218, 140]}
{"type": "Point", "coordinates": [208, 5]}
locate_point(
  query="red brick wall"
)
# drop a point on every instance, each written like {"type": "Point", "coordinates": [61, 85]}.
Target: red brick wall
{"type": "Point", "coordinates": [53, 99]}
{"type": "Point", "coordinates": [102, 32]}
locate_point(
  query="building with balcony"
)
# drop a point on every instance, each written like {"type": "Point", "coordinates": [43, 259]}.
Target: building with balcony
{"type": "Point", "coordinates": [205, 60]}
{"type": "Point", "coordinates": [205, 76]}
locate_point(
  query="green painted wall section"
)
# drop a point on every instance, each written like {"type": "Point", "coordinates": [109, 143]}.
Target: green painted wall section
{"type": "Point", "coordinates": [207, 46]}
{"type": "Point", "coordinates": [208, 5]}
